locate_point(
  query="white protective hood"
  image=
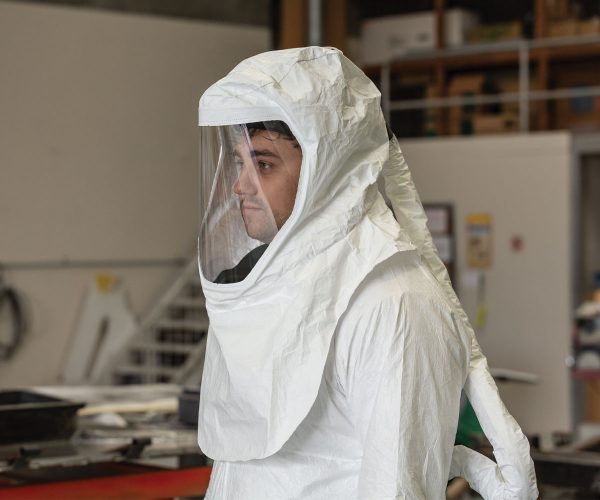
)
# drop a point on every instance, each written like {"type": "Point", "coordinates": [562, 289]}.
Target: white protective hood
{"type": "Point", "coordinates": [270, 333]}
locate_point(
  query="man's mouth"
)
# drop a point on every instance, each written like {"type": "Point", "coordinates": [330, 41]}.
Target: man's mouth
{"type": "Point", "coordinates": [247, 206]}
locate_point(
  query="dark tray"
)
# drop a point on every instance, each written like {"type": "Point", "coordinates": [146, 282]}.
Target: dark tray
{"type": "Point", "coordinates": [30, 416]}
{"type": "Point", "coordinates": [189, 402]}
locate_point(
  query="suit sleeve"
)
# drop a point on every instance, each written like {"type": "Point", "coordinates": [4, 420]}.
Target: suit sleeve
{"type": "Point", "coordinates": [512, 476]}
{"type": "Point", "coordinates": [406, 366]}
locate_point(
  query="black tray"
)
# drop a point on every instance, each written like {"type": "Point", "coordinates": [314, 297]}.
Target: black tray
{"type": "Point", "coordinates": [30, 416]}
{"type": "Point", "coordinates": [189, 402]}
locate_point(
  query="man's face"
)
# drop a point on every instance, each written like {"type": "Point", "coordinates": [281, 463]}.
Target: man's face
{"type": "Point", "coordinates": [267, 184]}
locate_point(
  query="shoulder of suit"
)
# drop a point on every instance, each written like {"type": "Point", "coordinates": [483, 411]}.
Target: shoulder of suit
{"type": "Point", "coordinates": [402, 275]}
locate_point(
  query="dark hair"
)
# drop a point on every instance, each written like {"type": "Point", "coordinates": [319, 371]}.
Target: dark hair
{"type": "Point", "coordinates": [272, 126]}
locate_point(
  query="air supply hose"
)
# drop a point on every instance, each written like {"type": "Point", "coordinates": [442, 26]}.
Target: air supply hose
{"type": "Point", "coordinates": [10, 305]}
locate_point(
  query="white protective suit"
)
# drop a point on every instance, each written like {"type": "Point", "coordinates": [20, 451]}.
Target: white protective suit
{"type": "Point", "coordinates": [334, 369]}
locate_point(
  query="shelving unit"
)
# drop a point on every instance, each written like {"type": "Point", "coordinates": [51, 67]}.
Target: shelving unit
{"type": "Point", "coordinates": [534, 61]}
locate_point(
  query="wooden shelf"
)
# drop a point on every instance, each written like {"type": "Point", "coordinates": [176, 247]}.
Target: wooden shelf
{"type": "Point", "coordinates": [569, 52]}
{"type": "Point", "coordinates": [493, 58]}
{"type": "Point", "coordinates": [534, 60]}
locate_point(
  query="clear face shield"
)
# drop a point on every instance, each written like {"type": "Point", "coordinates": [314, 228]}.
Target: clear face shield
{"type": "Point", "coordinates": [248, 181]}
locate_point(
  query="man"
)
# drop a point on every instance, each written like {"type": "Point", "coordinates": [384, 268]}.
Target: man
{"type": "Point", "coordinates": [337, 350]}
{"type": "Point", "coordinates": [266, 187]}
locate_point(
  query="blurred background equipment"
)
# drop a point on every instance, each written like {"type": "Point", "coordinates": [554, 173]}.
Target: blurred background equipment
{"type": "Point", "coordinates": [98, 442]}
{"type": "Point", "coordinates": [105, 325]}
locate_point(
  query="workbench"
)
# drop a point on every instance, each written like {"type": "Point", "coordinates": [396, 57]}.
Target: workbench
{"type": "Point", "coordinates": [129, 444]}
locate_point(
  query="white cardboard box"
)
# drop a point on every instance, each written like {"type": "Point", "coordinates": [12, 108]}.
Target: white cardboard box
{"type": "Point", "coordinates": [386, 38]}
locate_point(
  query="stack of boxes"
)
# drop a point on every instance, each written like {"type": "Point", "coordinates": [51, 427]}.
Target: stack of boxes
{"type": "Point", "coordinates": [483, 119]}
{"type": "Point", "coordinates": [564, 21]}
{"type": "Point", "coordinates": [387, 38]}
{"type": "Point", "coordinates": [460, 118]}
{"type": "Point", "coordinates": [576, 112]}
{"type": "Point", "coordinates": [498, 123]}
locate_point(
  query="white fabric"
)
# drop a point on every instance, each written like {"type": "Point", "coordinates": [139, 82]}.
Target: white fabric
{"type": "Point", "coordinates": [384, 422]}
{"type": "Point", "coordinates": [514, 475]}
{"type": "Point", "coordinates": [405, 355]}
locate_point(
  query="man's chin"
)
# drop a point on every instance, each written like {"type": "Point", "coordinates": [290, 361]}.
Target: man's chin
{"type": "Point", "coordinates": [255, 230]}
{"type": "Point", "coordinates": [262, 236]}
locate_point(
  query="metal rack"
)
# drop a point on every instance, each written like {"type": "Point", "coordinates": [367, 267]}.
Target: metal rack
{"type": "Point", "coordinates": [524, 96]}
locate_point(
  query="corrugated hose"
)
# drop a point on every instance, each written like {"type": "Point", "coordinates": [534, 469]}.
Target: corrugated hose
{"type": "Point", "coordinates": [10, 305]}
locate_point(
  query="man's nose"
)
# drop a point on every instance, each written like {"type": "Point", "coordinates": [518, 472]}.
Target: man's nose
{"type": "Point", "coordinates": [246, 182]}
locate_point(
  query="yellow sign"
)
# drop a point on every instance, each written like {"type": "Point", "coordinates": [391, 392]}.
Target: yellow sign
{"type": "Point", "coordinates": [479, 240]}
{"type": "Point", "coordinates": [106, 282]}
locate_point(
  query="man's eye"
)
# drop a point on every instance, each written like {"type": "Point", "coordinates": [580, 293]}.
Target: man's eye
{"type": "Point", "coordinates": [264, 166]}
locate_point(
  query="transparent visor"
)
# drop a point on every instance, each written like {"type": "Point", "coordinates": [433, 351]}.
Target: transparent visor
{"type": "Point", "coordinates": [248, 181]}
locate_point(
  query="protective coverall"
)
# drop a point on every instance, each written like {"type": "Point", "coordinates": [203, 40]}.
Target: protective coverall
{"type": "Point", "coordinates": [334, 368]}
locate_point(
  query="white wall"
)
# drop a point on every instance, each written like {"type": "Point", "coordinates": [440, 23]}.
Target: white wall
{"type": "Point", "coordinates": [524, 182]}
{"type": "Point", "coordinates": [98, 154]}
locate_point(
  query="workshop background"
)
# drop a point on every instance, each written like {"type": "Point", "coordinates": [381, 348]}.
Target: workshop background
{"type": "Point", "coordinates": [496, 106]}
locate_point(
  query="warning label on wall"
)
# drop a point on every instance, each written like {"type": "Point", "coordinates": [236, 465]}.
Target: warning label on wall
{"type": "Point", "coordinates": [479, 240]}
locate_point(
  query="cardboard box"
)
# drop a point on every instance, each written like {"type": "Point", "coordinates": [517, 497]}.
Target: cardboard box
{"type": "Point", "coordinates": [578, 112]}
{"type": "Point", "coordinates": [558, 9]}
{"type": "Point", "coordinates": [574, 27]}
{"type": "Point", "coordinates": [510, 85]}
{"type": "Point", "coordinates": [466, 84]}
{"type": "Point", "coordinates": [566, 27]}
{"type": "Point", "coordinates": [589, 27]}
{"type": "Point", "coordinates": [460, 118]}
{"type": "Point", "coordinates": [386, 38]}
{"type": "Point", "coordinates": [458, 22]}
{"type": "Point", "coordinates": [592, 401]}
{"type": "Point", "coordinates": [495, 124]}
{"type": "Point", "coordinates": [496, 32]}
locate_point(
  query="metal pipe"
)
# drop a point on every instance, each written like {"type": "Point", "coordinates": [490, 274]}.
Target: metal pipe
{"type": "Point", "coordinates": [523, 87]}
{"type": "Point", "coordinates": [315, 22]}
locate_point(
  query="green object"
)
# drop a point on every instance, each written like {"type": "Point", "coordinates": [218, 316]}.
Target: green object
{"type": "Point", "coordinates": [480, 317]}
{"type": "Point", "coordinates": [469, 431]}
